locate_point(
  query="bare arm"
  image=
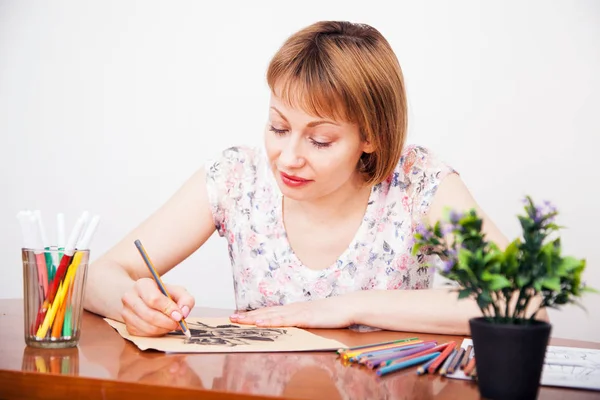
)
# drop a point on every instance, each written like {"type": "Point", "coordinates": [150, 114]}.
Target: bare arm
{"type": "Point", "coordinates": [170, 235]}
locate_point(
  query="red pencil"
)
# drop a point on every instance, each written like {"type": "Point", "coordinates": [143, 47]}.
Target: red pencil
{"type": "Point", "coordinates": [438, 361]}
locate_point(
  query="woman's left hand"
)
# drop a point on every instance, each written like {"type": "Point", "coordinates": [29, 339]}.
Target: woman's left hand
{"type": "Point", "coordinates": [333, 312]}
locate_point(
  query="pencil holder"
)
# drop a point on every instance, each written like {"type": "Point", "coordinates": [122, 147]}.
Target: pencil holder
{"type": "Point", "coordinates": [53, 288]}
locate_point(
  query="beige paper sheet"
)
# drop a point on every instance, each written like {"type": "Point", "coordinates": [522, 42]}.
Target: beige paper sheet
{"type": "Point", "coordinates": [219, 335]}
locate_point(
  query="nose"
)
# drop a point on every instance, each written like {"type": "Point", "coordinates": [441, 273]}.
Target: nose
{"type": "Point", "coordinates": [291, 154]}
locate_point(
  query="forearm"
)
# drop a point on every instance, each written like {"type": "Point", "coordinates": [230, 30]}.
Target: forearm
{"type": "Point", "coordinates": [430, 311]}
{"type": "Point", "coordinates": [105, 285]}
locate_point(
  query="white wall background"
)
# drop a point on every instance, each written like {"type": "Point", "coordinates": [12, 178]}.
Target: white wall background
{"type": "Point", "coordinates": [110, 105]}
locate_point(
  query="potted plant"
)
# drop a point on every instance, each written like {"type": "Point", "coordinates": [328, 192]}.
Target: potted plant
{"type": "Point", "coordinates": [510, 286]}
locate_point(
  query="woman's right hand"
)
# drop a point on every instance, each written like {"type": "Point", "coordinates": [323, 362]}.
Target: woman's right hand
{"type": "Point", "coordinates": [148, 312]}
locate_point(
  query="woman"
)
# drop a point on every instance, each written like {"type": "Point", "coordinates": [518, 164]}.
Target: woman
{"type": "Point", "coordinates": [319, 222]}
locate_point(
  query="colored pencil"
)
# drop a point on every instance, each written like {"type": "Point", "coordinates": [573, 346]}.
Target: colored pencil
{"type": "Point", "coordinates": [466, 357]}
{"type": "Point", "coordinates": [457, 358]}
{"type": "Point", "coordinates": [438, 361]}
{"type": "Point", "coordinates": [412, 353]}
{"type": "Point", "coordinates": [470, 366]}
{"type": "Point", "coordinates": [435, 349]}
{"type": "Point", "coordinates": [160, 284]}
{"type": "Point", "coordinates": [363, 358]}
{"type": "Point", "coordinates": [446, 364]}
{"type": "Point", "coordinates": [349, 355]}
{"type": "Point", "coordinates": [365, 346]}
{"type": "Point", "coordinates": [408, 363]}
{"type": "Point", "coordinates": [423, 368]}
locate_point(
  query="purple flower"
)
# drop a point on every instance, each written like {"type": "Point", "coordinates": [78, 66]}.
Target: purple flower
{"type": "Point", "coordinates": [448, 264]}
{"type": "Point", "coordinates": [424, 232]}
{"type": "Point", "coordinates": [455, 217]}
{"type": "Point", "coordinates": [446, 229]}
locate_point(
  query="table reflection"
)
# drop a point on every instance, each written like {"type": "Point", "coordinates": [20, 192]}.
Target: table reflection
{"type": "Point", "coordinates": [51, 361]}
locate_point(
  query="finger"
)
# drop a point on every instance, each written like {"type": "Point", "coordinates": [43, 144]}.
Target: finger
{"type": "Point", "coordinates": [138, 327]}
{"type": "Point", "coordinates": [250, 317]}
{"type": "Point", "coordinates": [295, 318]}
{"type": "Point", "coordinates": [151, 295]}
{"type": "Point", "coordinates": [182, 297]}
{"type": "Point", "coordinates": [133, 302]}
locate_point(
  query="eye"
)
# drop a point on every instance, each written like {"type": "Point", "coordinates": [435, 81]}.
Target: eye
{"type": "Point", "coordinates": [319, 145]}
{"type": "Point", "coordinates": [277, 131]}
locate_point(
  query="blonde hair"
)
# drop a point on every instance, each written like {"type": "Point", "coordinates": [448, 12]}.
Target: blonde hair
{"type": "Point", "coordinates": [347, 71]}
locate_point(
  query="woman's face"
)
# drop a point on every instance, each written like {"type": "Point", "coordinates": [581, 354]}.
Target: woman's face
{"type": "Point", "coordinates": [309, 156]}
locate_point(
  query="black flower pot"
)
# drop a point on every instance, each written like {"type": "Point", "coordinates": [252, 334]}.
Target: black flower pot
{"type": "Point", "coordinates": [509, 358]}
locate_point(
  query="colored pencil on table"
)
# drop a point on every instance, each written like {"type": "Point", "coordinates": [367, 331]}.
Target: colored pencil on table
{"type": "Point", "coordinates": [343, 350]}
{"type": "Point", "coordinates": [383, 360]}
{"type": "Point", "coordinates": [408, 363]}
{"type": "Point", "coordinates": [423, 368]}
{"type": "Point", "coordinates": [438, 361]}
{"type": "Point", "coordinates": [161, 286]}
{"type": "Point", "coordinates": [412, 353]}
{"type": "Point", "coordinates": [397, 351]}
{"type": "Point", "coordinates": [446, 364]}
{"type": "Point", "coordinates": [354, 354]}
{"type": "Point", "coordinates": [470, 366]}
{"type": "Point", "coordinates": [466, 357]}
{"type": "Point", "coordinates": [457, 358]}
{"type": "Point", "coordinates": [435, 349]}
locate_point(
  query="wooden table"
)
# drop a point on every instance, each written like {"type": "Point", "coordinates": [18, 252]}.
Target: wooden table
{"type": "Point", "coordinates": [104, 365]}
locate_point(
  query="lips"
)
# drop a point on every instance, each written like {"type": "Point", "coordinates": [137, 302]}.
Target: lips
{"type": "Point", "coordinates": [293, 181]}
{"type": "Point", "coordinates": [294, 178]}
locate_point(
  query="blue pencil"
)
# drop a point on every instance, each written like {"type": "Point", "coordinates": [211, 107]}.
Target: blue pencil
{"type": "Point", "coordinates": [407, 363]}
{"type": "Point", "coordinates": [423, 368]}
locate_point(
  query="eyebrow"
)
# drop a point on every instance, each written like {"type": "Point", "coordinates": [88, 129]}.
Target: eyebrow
{"type": "Point", "coordinates": [310, 124]}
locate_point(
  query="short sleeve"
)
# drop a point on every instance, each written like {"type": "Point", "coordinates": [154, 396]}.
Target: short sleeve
{"type": "Point", "coordinates": [426, 171]}
{"type": "Point", "coordinates": [227, 177]}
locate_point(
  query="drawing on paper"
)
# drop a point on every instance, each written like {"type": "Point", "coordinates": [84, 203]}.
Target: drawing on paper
{"type": "Point", "coordinates": [572, 367]}
{"type": "Point", "coordinates": [229, 335]}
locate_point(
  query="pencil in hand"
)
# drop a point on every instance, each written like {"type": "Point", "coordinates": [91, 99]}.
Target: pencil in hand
{"type": "Point", "coordinates": [161, 286]}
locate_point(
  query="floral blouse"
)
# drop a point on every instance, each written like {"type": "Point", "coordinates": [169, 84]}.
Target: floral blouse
{"type": "Point", "coordinates": [246, 204]}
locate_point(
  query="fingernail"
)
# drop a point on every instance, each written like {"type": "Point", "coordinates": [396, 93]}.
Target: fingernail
{"type": "Point", "coordinates": [241, 316]}
{"type": "Point", "coordinates": [234, 316]}
{"type": "Point", "coordinates": [185, 310]}
{"type": "Point", "coordinates": [176, 316]}
{"type": "Point", "coordinates": [259, 321]}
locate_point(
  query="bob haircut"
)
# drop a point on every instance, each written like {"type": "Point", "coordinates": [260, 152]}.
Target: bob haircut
{"type": "Point", "coordinates": [347, 71]}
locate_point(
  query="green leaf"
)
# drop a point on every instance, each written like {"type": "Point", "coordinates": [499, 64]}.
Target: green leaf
{"type": "Point", "coordinates": [484, 300]}
{"type": "Point", "coordinates": [522, 280]}
{"type": "Point", "coordinates": [499, 282]}
{"type": "Point", "coordinates": [570, 263]}
{"type": "Point", "coordinates": [464, 293]}
{"type": "Point", "coordinates": [487, 276]}
{"type": "Point", "coordinates": [526, 223]}
{"type": "Point", "coordinates": [464, 257]}
{"type": "Point", "coordinates": [552, 283]}
{"type": "Point", "coordinates": [437, 229]}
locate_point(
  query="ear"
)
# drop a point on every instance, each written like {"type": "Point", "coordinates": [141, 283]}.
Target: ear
{"type": "Point", "coordinates": [368, 147]}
